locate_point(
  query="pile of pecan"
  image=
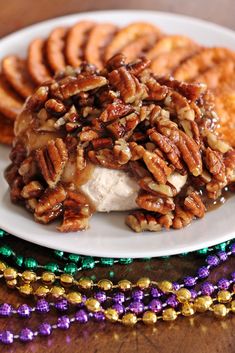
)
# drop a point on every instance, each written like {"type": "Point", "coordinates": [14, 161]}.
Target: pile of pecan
{"type": "Point", "coordinates": [123, 117]}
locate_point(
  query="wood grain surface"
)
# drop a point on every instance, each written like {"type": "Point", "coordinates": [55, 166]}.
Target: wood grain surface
{"type": "Point", "coordinates": [200, 334]}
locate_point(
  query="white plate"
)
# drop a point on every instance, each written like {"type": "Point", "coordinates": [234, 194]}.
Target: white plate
{"type": "Point", "coordinates": [108, 235]}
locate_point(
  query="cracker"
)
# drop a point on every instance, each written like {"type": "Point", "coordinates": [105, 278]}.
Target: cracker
{"type": "Point", "coordinates": [168, 44]}
{"type": "Point", "coordinates": [128, 34]}
{"type": "Point", "coordinates": [138, 46]}
{"type": "Point", "coordinates": [225, 108]}
{"type": "Point", "coordinates": [10, 103]}
{"type": "Point", "coordinates": [36, 61]}
{"type": "Point", "coordinates": [55, 49]}
{"type": "Point", "coordinates": [99, 37]}
{"type": "Point", "coordinates": [16, 73]}
{"type": "Point", "coordinates": [6, 130]}
{"type": "Point", "coordinates": [165, 63]}
{"type": "Point", "coordinates": [75, 42]}
{"type": "Point", "coordinates": [199, 63]}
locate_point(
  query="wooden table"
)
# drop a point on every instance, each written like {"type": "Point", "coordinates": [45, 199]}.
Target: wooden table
{"type": "Point", "coordinates": [203, 333]}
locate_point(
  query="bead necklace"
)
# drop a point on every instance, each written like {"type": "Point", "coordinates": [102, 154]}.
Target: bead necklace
{"type": "Point", "coordinates": [66, 280]}
{"type": "Point", "coordinates": [75, 263]}
{"type": "Point", "coordinates": [177, 295]}
{"type": "Point", "coordinates": [128, 319]}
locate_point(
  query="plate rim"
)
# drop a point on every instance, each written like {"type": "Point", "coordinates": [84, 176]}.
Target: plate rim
{"type": "Point", "coordinates": [142, 13]}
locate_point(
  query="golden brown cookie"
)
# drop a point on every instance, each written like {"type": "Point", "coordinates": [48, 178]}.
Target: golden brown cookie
{"type": "Point", "coordinates": [201, 62]}
{"type": "Point", "coordinates": [10, 103]}
{"type": "Point", "coordinates": [75, 42]}
{"type": "Point", "coordinates": [37, 61]}
{"type": "Point", "coordinates": [165, 63]}
{"type": "Point", "coordinates": [55, 49]}
{"type": "Point", "coordinates": [139, 46]}
{"type": "Point", "coordinates": [225, 107]}
{"type": "Point", "coordinates": [168, 44]}
{"type": "Point", "coordinates": [16, 73]}
{"type": "Point", "coordinates": [127, 35]}
{"type": "Point", "coordinates": [6, 130]}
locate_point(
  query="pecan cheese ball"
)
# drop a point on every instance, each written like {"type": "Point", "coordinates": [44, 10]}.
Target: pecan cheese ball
{"type": "Point", "coordinates": [118, 139]}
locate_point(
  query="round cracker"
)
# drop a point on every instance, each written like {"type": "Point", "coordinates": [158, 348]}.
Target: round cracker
{"type": "Point", "coordinates": [6, 130]}
{"type": "Point", "coordinates": [98, 39]}
{"type": "Point", "coordinates": [138, 46]}
{"type": "Point", "coordinates": [75, 42]}
{"type": "Point", "coordinates": [225, 108]}
{"type": "Point", "coordinates": [16, 73]}
{"type": "Point", "coordinates": [128, 34]}
{"type": "Point", "coordinates": [165, 63]}
{"type": "Point", "coordinates": [168, 44]}
{"type": "Point", "coordinates": [10, 103]}
{"type": "Point", "coordinates": [219, 74]}
{"type": "Point", "coordinates": [199, 63]}
{"type": "Point", "coordinates": [55, 49]}
{"type": "Point", "coordinates": [36, 61]}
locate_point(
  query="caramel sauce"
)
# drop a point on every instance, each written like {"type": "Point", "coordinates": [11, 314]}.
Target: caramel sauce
{"type": "Point", "coordinates": [212, 205]}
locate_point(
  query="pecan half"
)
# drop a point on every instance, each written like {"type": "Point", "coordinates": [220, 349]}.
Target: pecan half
{"type": "Point", "coordinates": [51, 160]}
{"type": "Point", "coordinates": [156, 92]}
{"type": "Point", "coordinates": [215, 164]}
{"type": "Point", "coordinates": [83, 84]}
{"type": "Point", "coordinates": [137, 151]}
{"type": "Point", "coordinates": [76, 213]}
{"type": "Point", "coordinates": [155, 203]}
{"type": "Point", "coordinates": [88, 134]}
{"type": "Point", "coordinates": [178, 105]}
{"type": "Point", "coordinates": [182, 217]}
{"type": "Point", "coordinates": [115, 110]}
{"type": "Point", "coordinates": [123, 127]}
{"type": "Point", "coordinates": [131, 90]}
{"type": "Point", "coordinates": [193, 203]}
{"type": "Point", "coordinates": [157, 166]}
{"type": "Point", "coordinates": [50, 201]}
{"type": "Point", "coordinates": [121, 151]}
{"type": "Point", "coordinates": [148, 184]}
{"type": "Point", "coordinates": [37, 100]}
{"type": "Point", "coordinates": [32, 190]}
{"type": "Point", "coordinates": [166, 146]}
{"type": "Point", "coordinates": [104, 158]}
{"type": "Point", "coordinates": [55, 107]}
{"type": "Point", "coordinates": [140, 222]}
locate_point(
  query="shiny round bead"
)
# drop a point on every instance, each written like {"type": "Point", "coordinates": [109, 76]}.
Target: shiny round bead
{"type": "Point", "coordinates": [233, 306]}
{"type": "Point", "coordinates": [100, 296]}
{"type": "Point", "coordinates": [137, 295]}
{"type": "Point", "coordinates": [61, 305]}
{"type": "Point", "coordinates": [212, 260]}
{"type": "Point", "coordinates": [124, 285]}
{"type": "Point", "coordinates": [28, 276]}
{"type": "Point", "coordinates": [26, 335]}
{"type": "Point", "coordinates": [106, 261]}
{"type": "Point", "coordinates": [92, 305]}
{"type": "Point", "coordinates": [172, 301]}
{"type": "Point", "coordinates": [111, 315]}
{"type": "Point", "coordinates": [66, 279]}
{"type": "Point", "coordinates": [183, 295]}
{"type": "Point", "coordinates": [155, 305]}
{"type": "Point", "coordinates": [136, 307]}
{"type": "Point", "coordinates": [125, 261]}
{"type": "Point", "coordinates": [203, 272]}
{"type": "Point", "coordinates": [74, 298]}
{"type": "Point", "coordinates": [149, 318]}
{"type": "Point", "coordinates": [57, 292]}
{"type": "Point", "coordinates": [42, 291]}
{"type": "Point", "coordinates": [30, 263]}
{"type": "Point", "coordinates": [44, 329]}
{"type": "Point", "coordinates": [24, 311]}
{"type": "Point", "coordinates": [143, 283]}
{"type": "Point", "coordinates": [207, 288]}
{"type": "Point", "coordinates": [85, 283]}
{"type": "Point", "coordinates": [203, 303]}
{"type": "Point", "coordinates": [52, 267]}
{"type": "Point", "coordinates": [12, 283]}
{"type": "Point", "coordinates": [119, 308]}
{"type": "Point", "coordinates": [187, 309]}
{"type": "Point", "coordinates": [26, 289]}
{"type": "Point", "coordinates": [81, 316]}
{"type": "Point", "coordinates": [223, 283]}
{"type": "Point", "coordinates": [48, 277]}
{"type": "Point", "coordinates": [190, 281]}
{"type": "Point", "coordinates": [155, 292]}
{"type": "Point", "coordinates": [105, 284]}
{"type": "Point", "coordinates": [88, 263]}
{"type": "Point", "coordinates": [220, 310]}
{"type": "Point", "coordinates": [10, 273]}
{"type": "Point", "coordinates": [71, 268]}
{"type": "Point", "coordinates": [224, 296]}
{"type": "Point", "coordinates": [59, 254]}
{"type": "Point", "coordinates": [5, 251]}
{"type": "Point", "coordinates": [169, 314]}
{"type": "Point", "coordinates": [74, 258]}
{"type": "Point", "coordinates": [165, 286]}
{"type": "Point", "coordinates": [5, 310]}
{"type": "Point", "coordinates": [232, 248]}
{"type": "Point", "coordinates": [119, 297]}
{"type": "Point", "coordinates": [2, 233]}
{"type": "Point", "coordinates": [129, 319]}
{"type": "Point", "coordinates": [2, 266]}
{"type": "Point", "coordinates": [6, 337]}
{"type": "Point", "coordinates": [63, 322]}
